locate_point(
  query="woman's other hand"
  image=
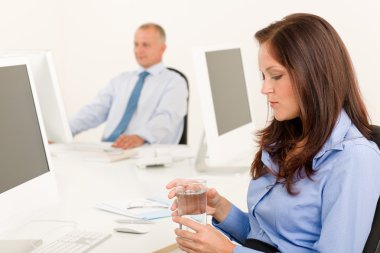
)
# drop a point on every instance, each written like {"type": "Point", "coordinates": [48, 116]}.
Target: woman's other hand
{"type": "Point", "coordinates": [205, 238]}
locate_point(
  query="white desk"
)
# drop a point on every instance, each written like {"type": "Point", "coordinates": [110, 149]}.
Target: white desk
{"type": "Point", "coordinates": [83, 184]}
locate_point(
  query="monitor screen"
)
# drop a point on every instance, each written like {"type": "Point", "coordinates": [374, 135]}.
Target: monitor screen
{"type": "Point", "coordinates": [224, 104]}
{"type": "Point", "coordinates": [27, 182]}
{"type": "Point", "coordinates": [228, 89]}
{"type": "Point", "coordinates": [23, 154]}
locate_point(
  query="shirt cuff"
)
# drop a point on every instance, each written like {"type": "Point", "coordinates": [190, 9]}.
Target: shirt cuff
{"type": "Point", "coordinates": [236, 225]}
{"type": "Point", "coordinates": [148, 138]}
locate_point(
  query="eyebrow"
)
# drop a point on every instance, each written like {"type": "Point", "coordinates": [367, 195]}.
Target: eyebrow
{"type": "Point", "coordinates": [271, 67]}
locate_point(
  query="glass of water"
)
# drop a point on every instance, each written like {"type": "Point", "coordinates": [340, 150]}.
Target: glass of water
{"type": "Point", "coordinates": [192, 200]}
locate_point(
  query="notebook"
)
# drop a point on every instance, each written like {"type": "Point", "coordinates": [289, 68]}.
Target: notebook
{"type": "Point", "coordinates": [147, 209]}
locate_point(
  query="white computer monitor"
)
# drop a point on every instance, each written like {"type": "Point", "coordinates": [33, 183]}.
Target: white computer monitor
{"type": "Point", "coordinates": [225, 106]}
{"type": "Point", "coordinates": [46, 83]}
{"type": "Point", "coordinates": [27, 182]}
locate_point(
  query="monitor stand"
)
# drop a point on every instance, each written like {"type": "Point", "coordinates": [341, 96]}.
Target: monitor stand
{"type": "Point", "coordinates": [19, 245]}
{"type": "Point", "coordinates": [202, 166]}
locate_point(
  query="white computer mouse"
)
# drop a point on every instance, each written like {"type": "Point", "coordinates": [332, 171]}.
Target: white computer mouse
{"type": "Point", "coordinates": [133, 228]}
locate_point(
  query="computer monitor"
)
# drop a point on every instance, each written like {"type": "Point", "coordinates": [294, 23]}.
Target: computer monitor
{"type": "Point", "coordinates": [225, 107]}
{"type": "Point", "coordinates": [27, 182]}
{"type": "Point", "coordinates": [46, 83]}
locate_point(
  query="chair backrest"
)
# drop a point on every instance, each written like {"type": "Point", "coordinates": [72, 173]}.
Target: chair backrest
{"type": "Point", "coordinates": [376, 134]}
{"type": "Point", "coordinates": [373, 242]}
{"type": "Point", "coordinates": [183, 139]}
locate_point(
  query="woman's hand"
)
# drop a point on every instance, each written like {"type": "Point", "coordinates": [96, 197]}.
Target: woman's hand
{"type": "Point", "coordinates": [217, 206]}
{"type": "Point", "coordinates": [205, 239]}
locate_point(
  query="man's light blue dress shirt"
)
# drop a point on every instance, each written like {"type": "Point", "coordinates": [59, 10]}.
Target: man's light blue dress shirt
{"type": "Point", "coordinates": [160, 110]}
{"type": "Point", "coordinates": [332, 213]}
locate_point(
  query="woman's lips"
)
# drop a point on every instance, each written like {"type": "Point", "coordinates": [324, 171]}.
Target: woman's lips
{"type": "Point", "coordinates": [272, 104]}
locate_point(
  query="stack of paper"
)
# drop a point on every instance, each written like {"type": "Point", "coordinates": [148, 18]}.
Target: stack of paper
{"type": "Point", "coordinates": [147, 209]}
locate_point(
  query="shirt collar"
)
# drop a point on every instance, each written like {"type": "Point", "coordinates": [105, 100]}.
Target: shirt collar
{"type": "Point", "coordinates": [335, 141]}
{"type": "Point", "coordinates": [153, 70]}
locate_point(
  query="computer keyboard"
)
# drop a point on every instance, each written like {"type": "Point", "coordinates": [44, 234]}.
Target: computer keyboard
{"type": "Point", "coordinates": [92, 152]}
{"type": "Point", "coordinates": [89, 147]}
{"type": "Point", "coordinates": [76, 241]}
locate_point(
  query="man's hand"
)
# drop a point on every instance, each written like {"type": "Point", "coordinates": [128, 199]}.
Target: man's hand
{"type": "Point", "coordinates": [128, 141]}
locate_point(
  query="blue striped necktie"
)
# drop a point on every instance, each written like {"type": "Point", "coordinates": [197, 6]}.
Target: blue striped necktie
{"type": "Point", "coordinates": [131, 108]}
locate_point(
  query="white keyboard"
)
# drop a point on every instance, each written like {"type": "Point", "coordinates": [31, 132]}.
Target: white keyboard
{"type": "Point", "coordinates": [93, 152]}
{"type": "Point", "coordinates": [89, 147]}
{"type": "Point", "coordinates": [76, 241]}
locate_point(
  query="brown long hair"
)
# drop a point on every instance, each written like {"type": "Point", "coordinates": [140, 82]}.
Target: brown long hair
{"type": "Point", "coordinates": [324, 83]}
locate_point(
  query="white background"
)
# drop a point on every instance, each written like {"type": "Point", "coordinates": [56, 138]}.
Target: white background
{"type": "Point", "coordinates": [92, 40]}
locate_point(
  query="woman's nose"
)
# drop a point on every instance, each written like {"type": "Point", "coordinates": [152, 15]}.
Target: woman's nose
{"type": "Point", "coordinates": [266, 88]}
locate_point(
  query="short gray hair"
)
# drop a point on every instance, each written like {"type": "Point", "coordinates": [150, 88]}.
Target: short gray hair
{"type": "Point", "coordinates": [155, 26]}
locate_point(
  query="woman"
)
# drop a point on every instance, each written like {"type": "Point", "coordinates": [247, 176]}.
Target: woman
{"type": "Point", "coordinates": [316, 178]}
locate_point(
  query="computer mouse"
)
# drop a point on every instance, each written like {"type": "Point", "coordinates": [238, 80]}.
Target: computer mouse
{"type": "Point", "coordinates": [133, 228]}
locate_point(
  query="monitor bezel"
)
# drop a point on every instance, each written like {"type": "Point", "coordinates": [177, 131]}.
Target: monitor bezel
{"type": "Point", "coordinates": [55, 121]}
{"type": "Point", "coordinates": [19, 203]}
{"type": "Point", "coordinates": [235, 144]}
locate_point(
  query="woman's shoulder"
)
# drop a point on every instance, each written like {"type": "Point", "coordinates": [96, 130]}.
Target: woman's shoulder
{"type": "Point", "coordinates": [355, 142]}
{"type": "Point", "coordinates": [352, 150]}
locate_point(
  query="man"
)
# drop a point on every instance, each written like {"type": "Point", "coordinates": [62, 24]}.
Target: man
{"type": "Point", "coordinates": [154, 116]}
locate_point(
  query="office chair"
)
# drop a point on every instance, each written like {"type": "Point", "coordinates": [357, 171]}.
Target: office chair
{"type": "Point", "coordinates": [183, 139]}
{"type": "Point", "coordinates": [373, 242]}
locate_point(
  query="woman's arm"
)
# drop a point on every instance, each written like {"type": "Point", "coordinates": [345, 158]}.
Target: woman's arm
{"type": "Point", "coordinates": [349, 200]}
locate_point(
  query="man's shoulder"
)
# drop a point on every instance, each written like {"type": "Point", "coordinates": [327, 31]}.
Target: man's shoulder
{"type": "Point", "coordinates": [124, 74]}
{"type": "Point", "coordinates": [122, 77]}
{"type": "Point", "coordinates": [175, 74]}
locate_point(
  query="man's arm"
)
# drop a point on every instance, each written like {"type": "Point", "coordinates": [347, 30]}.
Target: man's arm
{"type": "Point", "coordinates": [94, 113]}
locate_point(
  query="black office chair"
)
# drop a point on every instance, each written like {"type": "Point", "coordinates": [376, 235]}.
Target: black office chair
{"type": "Point", "coordinates": [183, 139]}
{"type": "Point", "coordinates": [373, 242]}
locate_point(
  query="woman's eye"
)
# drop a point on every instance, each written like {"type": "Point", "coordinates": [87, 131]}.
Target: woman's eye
{"type": "Point", "coordinates": [278, 77]}
{"type": "Point", "coordinates": [262, 76]}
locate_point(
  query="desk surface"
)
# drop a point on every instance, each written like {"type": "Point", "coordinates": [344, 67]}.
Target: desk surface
{"type": "Point", "coordinates": [83, 184]}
